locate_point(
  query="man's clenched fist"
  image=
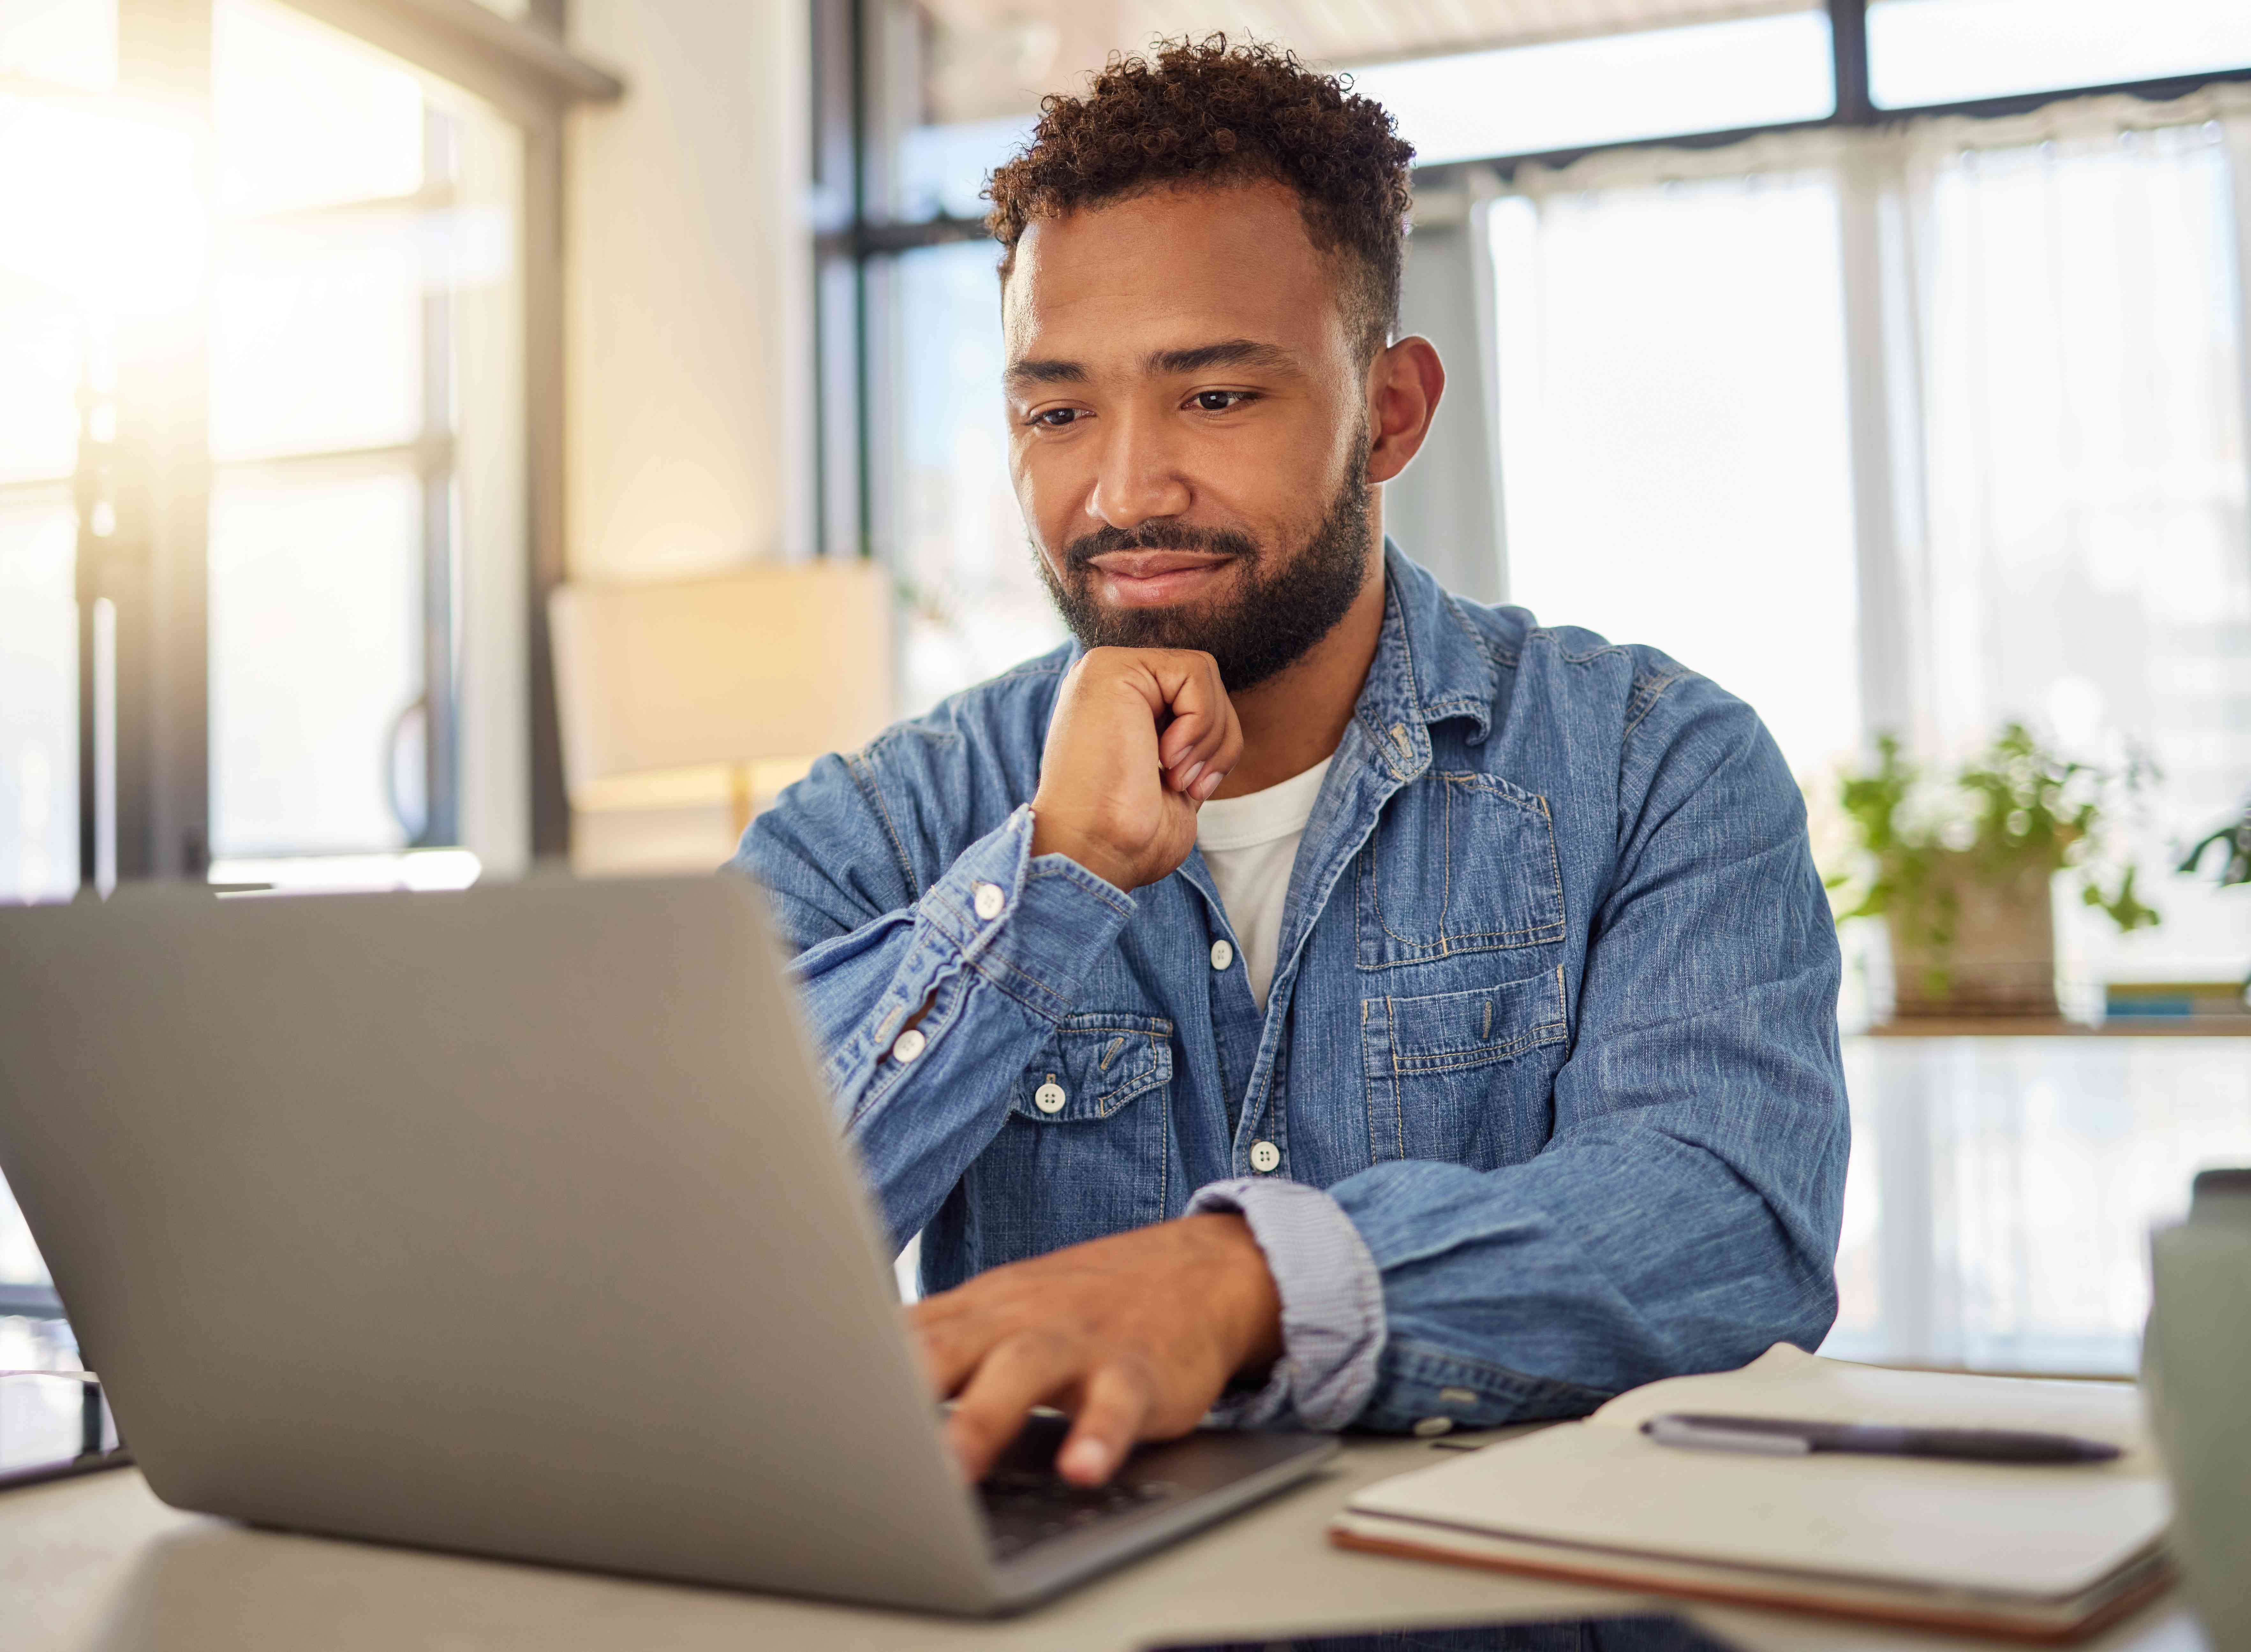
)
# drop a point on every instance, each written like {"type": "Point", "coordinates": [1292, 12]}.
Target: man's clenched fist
{"type": "Point", "coordinates": [1139, 738]}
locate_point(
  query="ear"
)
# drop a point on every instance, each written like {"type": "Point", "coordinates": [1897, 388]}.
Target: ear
{"type": "Point", "coordinates": [1404, 384]}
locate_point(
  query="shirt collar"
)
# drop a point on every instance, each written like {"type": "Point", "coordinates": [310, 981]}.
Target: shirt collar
{"type": "Point", "coordinates": [1429, 665]}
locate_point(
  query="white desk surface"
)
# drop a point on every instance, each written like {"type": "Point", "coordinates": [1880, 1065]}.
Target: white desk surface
{"type": "Point", "coordinates": [99, 1563]}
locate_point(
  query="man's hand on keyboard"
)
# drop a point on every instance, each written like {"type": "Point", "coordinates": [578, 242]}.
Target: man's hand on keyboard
{"type": "Point", "coordinates": [1135, 1336]}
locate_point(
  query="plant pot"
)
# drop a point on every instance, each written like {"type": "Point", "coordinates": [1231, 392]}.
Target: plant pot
{"type": "Point", "coordinates": [2001, 960]}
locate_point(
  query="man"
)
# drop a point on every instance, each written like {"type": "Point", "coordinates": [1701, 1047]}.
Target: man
{"type": "Point", "coordinates": [1308, 995]}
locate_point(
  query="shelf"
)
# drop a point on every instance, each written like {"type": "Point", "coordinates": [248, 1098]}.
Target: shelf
{"type": "Point", "coordinates": [2040, 1027]}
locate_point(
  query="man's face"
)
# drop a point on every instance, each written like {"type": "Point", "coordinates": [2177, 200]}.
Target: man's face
{"type": "Point", "coordinates": [1188, 425]}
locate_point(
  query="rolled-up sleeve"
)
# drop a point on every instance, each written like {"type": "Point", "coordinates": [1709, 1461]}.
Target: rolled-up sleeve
{"type": "Point", "coordinates": [1332, 1304]}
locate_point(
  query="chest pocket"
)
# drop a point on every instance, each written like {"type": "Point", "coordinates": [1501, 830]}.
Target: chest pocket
{"type": "Point", "coordinates": [1083, 1153]}
{"type": "Point", "coordinates": [1459, 863]}
{"type": "Point", "coordinates": [1463, 1077]}
{"type": "Point", "coordinates": [1096, 1063]}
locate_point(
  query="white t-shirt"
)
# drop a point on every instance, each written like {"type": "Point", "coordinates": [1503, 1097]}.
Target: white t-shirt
{"type": "Point", "coordinates": [1250, 843]}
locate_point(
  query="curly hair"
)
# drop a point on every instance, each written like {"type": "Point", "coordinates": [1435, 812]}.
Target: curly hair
{"type": "Point", "coordinates": [1209, 113]}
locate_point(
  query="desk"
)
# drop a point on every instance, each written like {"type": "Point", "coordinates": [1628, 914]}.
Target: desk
{"type": "Point", "coordinates": [98, 1565]}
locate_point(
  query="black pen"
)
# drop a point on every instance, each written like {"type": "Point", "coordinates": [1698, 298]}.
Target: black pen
{"type": "Point", "coordinates": [1783, 1437]}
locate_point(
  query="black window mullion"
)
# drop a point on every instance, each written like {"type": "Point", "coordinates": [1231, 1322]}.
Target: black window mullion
{"type": "Point", "coordinates": [154, 479]}
{"type": "Point", "coordinates": [840, 455]}
{"type": "Point", "coordinates": [1848, 56]}
{"type": "Point", "coordinates": [435, 473]}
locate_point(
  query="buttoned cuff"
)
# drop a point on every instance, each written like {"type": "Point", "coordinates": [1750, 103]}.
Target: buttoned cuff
{"type": "Point", "coordinates": [1332, 1325]}
{"type": "Point", "coordinates": [1033, 925]}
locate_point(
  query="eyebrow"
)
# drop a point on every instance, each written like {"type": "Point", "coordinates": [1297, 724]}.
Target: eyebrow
{"type": "Point", "coordinates": [1232, 352]}
{"type": "Point", "coordinates": [1229, 352]}
{"type": "Point", "coordinates": [1045, 372]}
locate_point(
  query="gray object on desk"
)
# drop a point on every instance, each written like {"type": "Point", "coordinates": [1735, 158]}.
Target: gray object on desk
{"type": "Point", "coordinates": [2196, 1372]}
{"type": "Point", "coordinates": [511, 1221]}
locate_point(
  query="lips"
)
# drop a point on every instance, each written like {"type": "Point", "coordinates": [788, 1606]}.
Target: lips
{"type": "Point", "coordinates": [1151, 564]}
{"type": "Point", "coordinates": [1155, 579]}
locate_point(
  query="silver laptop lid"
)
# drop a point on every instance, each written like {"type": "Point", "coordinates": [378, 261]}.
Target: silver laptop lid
{"type": "Point", "coordinates": [511, 1220]}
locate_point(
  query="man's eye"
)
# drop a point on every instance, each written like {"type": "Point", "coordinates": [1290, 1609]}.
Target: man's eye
{"type": "Point", "coordinates": [1055, 418]}
{"type": "Point", "coordinates": [1218, 401]}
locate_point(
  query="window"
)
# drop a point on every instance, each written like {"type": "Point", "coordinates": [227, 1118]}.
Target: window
{"type": "Point", "coordinates": [2084, 461]}
{"type": "Point", "coordinates": [1674, 441]}
{"type": "Point", "coordinates": [61, 43]}
{"type": "Point", "coordinates": [1706, 76]}
{"type": "Point", "coordinates": [62, 298]}
{"type": "Point", "coordinates": [2053, 341]}
{"type": "Point", "coordinates": [1935, 52]}
{"type": "Point", "coordinates": [265, 328]}
{"type": "Point", "coordinates": [364, 280]}
{"type": "Point", "coordinates": [968, 591]}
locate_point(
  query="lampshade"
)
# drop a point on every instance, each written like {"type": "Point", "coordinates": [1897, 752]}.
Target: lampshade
{"type": "Point", "coordinates": [667, 691]}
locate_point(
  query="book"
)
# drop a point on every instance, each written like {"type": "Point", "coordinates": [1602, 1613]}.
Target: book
{"type": "Point", "coordinates": [2033, 1551]}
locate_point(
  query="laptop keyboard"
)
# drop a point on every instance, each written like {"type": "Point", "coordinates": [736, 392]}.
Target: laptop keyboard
{"type": "Point", "coordinates": [1023, 1507]}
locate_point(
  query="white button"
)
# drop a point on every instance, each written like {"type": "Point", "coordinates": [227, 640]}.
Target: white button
{"type": "Point", "coordinates": [989, 901]}
{"type": "Point", "coordinates": [1221, 954]}
{"type": "Point", "coordinates": [909, 1046]}
{"type": "Point", "coordinates": [1049, 1098]}
{"type": "Point", "coordinates": [1431, 1427]}
{"type": "Point", "coordinates": [1264, 1156]}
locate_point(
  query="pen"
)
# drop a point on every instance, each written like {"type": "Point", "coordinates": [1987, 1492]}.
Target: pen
{"type": "Point", "coordinates": [1782, 1437]}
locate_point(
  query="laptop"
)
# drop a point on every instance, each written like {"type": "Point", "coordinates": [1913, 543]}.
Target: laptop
{"type": "Point", "coordinates": [514, 1222]}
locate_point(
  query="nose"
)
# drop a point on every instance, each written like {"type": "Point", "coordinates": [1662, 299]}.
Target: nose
{"type": "Point", "coordinates": [1139, 478]}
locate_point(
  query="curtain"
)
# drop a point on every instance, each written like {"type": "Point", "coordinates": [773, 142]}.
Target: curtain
{"type": "Point", "coordinates": [1916, 431]}
{"type": "Point", "coordinates": [1674, 420]}
{"type": "Point", "coordinates": [2075, 285]}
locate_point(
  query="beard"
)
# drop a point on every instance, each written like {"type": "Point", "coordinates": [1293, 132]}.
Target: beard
{"type": "Point", "coordinates": [1285, 603]}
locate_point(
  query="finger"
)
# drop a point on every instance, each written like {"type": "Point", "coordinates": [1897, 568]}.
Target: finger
{"type": "Point", "coordinates": [1214, 741]}
{"type": "Point", "coordinates": [1190, 684]}
{"type": "Point", "coordinates": [1117, 1404]}
{"type": "Point", "coordinates": [1119, 678]}
{"type": "Point", "coordinates": [950, 1342]}
{"type": "Point", "coordinates": [1014, 1376]}
{"type": "Point", "coordinates": [1226, 752]}
{"type": "Point", "coordinates": [1199, 760]}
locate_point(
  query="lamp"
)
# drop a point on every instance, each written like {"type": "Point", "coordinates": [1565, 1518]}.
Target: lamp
{"type": "Point", "coordinates": [685, 704]}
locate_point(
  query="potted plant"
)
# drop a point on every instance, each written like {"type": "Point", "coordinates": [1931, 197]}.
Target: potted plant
{"type": "Point", "coordinates": [1960, 870]}
{"type": "Point", "coordinates": [2234, 842]}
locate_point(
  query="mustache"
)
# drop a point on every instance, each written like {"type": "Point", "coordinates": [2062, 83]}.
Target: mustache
{"type": "Point", "coordinates": [1079, 554]}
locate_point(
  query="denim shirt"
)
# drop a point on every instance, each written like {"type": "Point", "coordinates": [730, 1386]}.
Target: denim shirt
{"type": "Point", "coordinates": [1546, 1101]}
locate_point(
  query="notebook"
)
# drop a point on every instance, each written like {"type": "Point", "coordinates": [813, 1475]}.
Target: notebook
{"type": "Point", "coordinates": [2033, 1551]}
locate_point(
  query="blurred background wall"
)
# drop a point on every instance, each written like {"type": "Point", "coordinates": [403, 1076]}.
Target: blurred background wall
{"type": "Point", "coordinates": [689, 293]}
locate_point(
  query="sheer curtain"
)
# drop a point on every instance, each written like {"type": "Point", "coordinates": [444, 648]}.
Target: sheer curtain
{"type": "Point", "coordinates": [1920, 431]}
{"type": "Point", "coordinates": [1674, 422]}
{"type": "Point", "coordinates": [2074, 286]}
